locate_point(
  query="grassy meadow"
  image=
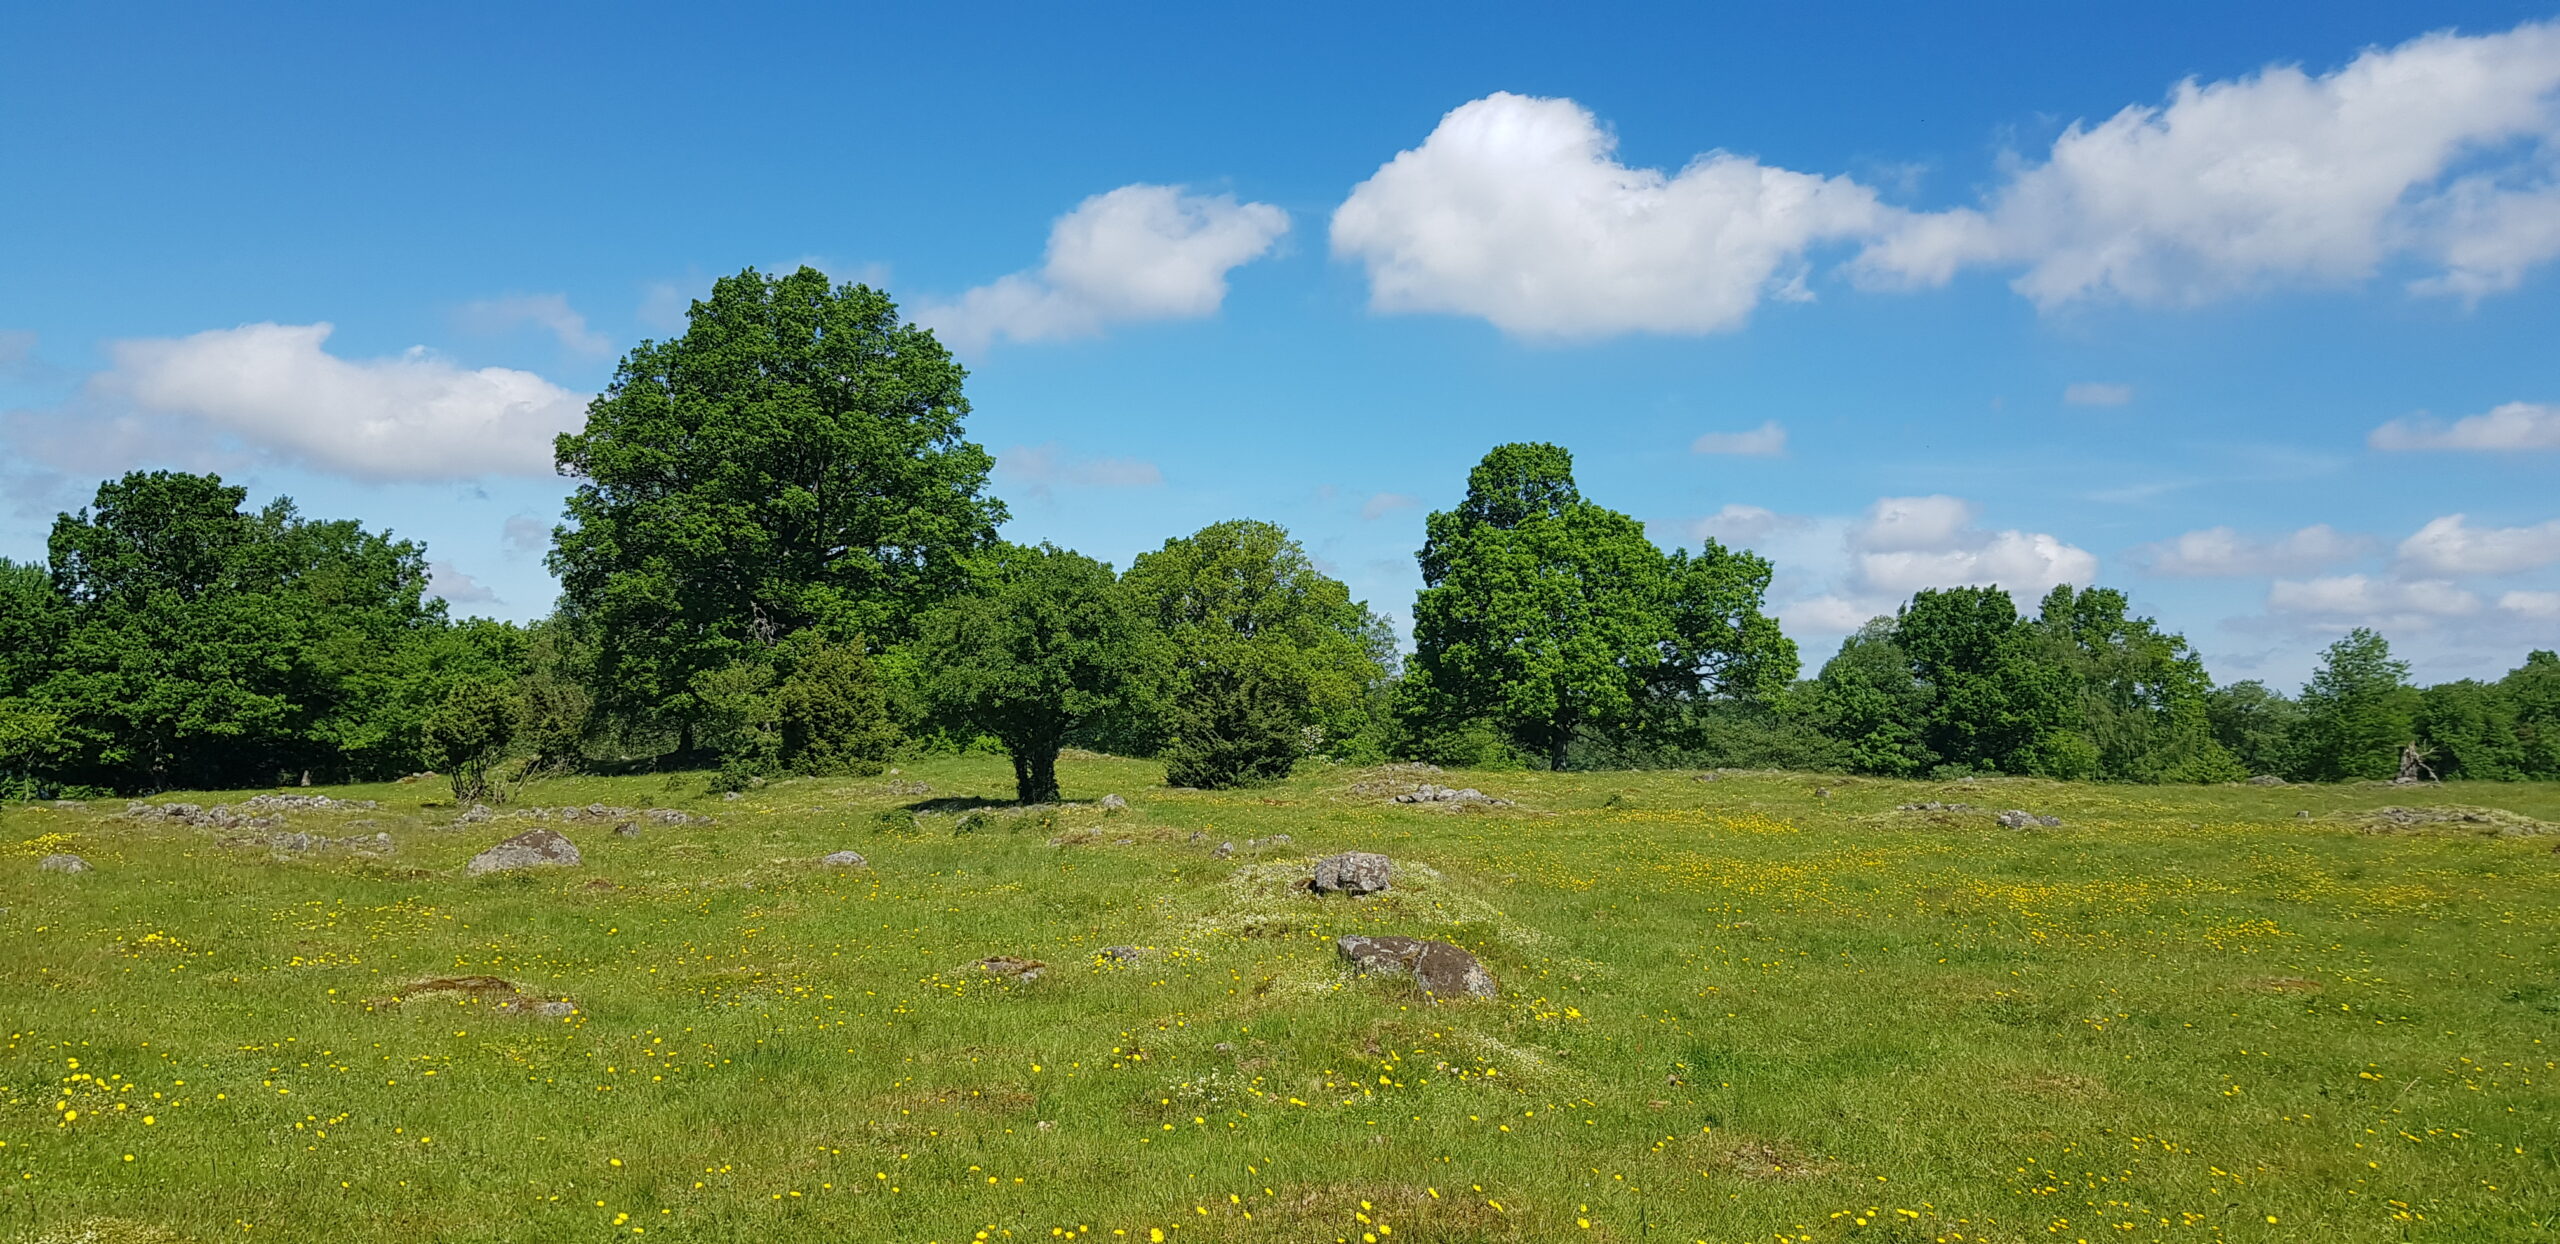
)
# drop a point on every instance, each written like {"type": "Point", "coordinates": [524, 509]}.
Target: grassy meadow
{"type": "Point", "coordinates": [1736, 1010]}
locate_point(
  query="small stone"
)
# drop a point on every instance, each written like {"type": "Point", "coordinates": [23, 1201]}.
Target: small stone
{"type": "Point", "coordinates": [1046, 1126]}
{"type": "Point", "coordinates": [2266, 779]}
{"type": "Point", "coordinates": [2015, 819]}
{"type": "Point", "coordinates": [1120, 954]}
{"type": "Point", "coordinates": [1223, 850]}
{"type": "Point", "coordinates": [1443, 970]}
{"type": "Point", "coordinates": [1277, 840]}
{"type": "Point", "coordinates": [844, 859]}
{"type": "Point", "coordinates": [627, 829]}
{"type": "Point", "coordinates": [1197, 836]}
{"type": "Point", "coordinates": [63, 864]}
{"type": "Point", "coordinates": [538, 848]}
{"type": "Point", "coordinates": [1354, 873]}
{"type": "Point", "coordinates": [732, 797]}
{"type": "Point", "coordinates": [1012, 967]}
{"type": "Point", "coordinates": [1114, 803]}
{"type": "Point", "coordinates": [1225, 1047]}
{"type": "Point", "coordinates": [2302, 816]}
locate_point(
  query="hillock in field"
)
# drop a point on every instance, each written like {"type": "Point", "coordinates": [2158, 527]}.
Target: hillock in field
{"type": "Point", "coordinates": [1760, 1007]}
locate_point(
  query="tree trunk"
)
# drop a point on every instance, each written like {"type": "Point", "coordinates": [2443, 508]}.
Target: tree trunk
{"type": "Point", "coordinates": [1036, 775]}
{"type": "Point", "coordinates": [1556, 751]}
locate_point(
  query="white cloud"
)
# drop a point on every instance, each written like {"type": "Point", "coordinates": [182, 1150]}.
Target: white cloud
{"type": "Point", "coordinates": [1380, 504]}
{"type": "Point", "coordinates": [2222, 553]}
{"type": "Point", "coordinates": [1742, 525]}
{"type": "Point", "coordinates": [1042, 466]}
{"type": "Point", "coordinates": [1517, 210]}
{"type": "Point", "coordinates": [2516, 425]}
{"type": "Point", "coordinates": [2539, 606]}
{"type": "Point", "coordinates": [1766, 441]}
{"type": "Point", "coordinates": [447, 581]}
{"type": "Point", "coordinates": [17, 345]}
{"type": "Point", "coordinates": [2362, 600]}
{"type": "Point", "coordinates": [1913, 524]}
{"type": "Point", "coordinates": [1908, 543]}
{"type": "Point", "coordinates": [274, 389]}
{"type": "Point", "coordinates": [2443, 151]}
{"type": "Point", "coordinates": [2451, 546]}
{"type": "Point", "coordinates": [1831, 614]}
{"type": "Point", "coordinates": [525, 533]}
{"type": "Point", "coordinates": [549, 312]}
{"type": "Point", "coordinates": [2091, 393]}
{"type": "Point", "coordinates": [1141, 252]}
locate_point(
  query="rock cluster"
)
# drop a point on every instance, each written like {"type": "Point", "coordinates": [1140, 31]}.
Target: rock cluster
{"type": "Point", "coordinates": [1935, 806]}
{"type": "Point", "coordinates": [1354, 873]}
{"type": "Point", "coordinates": [502, 996]}
{"type": "Point", "coordinates": [297, 843]}
{"type": "Point", "coordinates": [537, 848]}
{"type": "Point", "coordinates": [2266, 779]}
{"type": "Point", "coordinates": [2015, 819]}
{"type": "Point", "coordinates": [1431, 793]}
{"type": "Point", "coordinates": [481, 814]}
{"type": "Point", "coordinates": [843, 859]}
{"type": "Point", "coordinates": [1442, 970]}
{"type": "Point", "coordinates": [254, 812]}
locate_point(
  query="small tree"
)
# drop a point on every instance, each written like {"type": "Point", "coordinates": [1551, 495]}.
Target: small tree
{"type": "Point", "coordinates": [1267, 655]}
{"type": "Point", "coordinates": [2358, 711]}
{"type": "Point", "coordinates": [832, 709]}
{"type": "Point", "coordinates": [470, 734]}
{"type": "Point", "coordinates": [1554, 618]}
{"type": "Point", "coordinates": [1048, 643]}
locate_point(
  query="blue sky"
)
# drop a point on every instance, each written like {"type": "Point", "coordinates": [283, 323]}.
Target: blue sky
{"type": "Point", "coordinates": [2249, 310]}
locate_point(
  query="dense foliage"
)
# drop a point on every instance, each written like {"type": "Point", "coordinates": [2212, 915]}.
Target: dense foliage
{"type": "Point", "coordinates": [1553, 618]}
{"type": "Point", "coordinates": [792, 462]}
{"type": "Point", "coordinates": [780, 559]}
{"type": "Point", "coordinates": [1268, 659]}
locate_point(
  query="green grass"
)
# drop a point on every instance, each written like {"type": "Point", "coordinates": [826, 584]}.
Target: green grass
{"type": "Point", "coordinates": [1731, 1011]}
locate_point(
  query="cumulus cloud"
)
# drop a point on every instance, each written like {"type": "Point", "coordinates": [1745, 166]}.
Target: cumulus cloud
{"type": "Point", "coordinates": [2443, 151]}
{"type": "Point", "coordinates": [548, 312]}
{"type": "Point", "coordinates": [1905, 544]}
{"type": "Point", "coordinates": [1831, 614]}
{"type": "Point", "coordinates": [1141, 252]}
{"type": "Point", "coordinates": [1766, 441]}
{"type": "Point", "coordinates": [524, 533]}
{"type": "Point", "coordinates": [2516, 425]}
{"type": "Point", "coordinates": [2539, 606]}
{"type": "Point", "coordinates": [272, 390]}
{"type": "Point", "coordinates": [2451, 546]}
{"type": "Point", "coordinates": [2092, 393]}
{"type": "Point", "coordinates": [1041, 467]}
{"type": "Point", "coordinates": [1517, 210]}
{"type": "Point", "coordinates": [1742, 525]}
{"type": "Point", "coordinates": [2223, 553]}
{"type": "Point", "coordinates": [1381, 504]}
{"type": "Point", "coordinates": [17, 346]}
{"type": "Point", "coordinates": [2340, 601]}
{"type": "Point", "coordinates": [448, 582]}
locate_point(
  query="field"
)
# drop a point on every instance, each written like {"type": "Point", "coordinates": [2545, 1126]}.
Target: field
{"type": "Point", "coordinates": [1745, 1009]}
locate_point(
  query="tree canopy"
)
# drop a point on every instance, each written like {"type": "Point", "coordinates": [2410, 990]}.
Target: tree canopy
{"type": "Point", "coordinates": [793, 461]}
{"type": "Point", "coordinates": [1550, 616]}
{"type": "Point", "coordinates": [1267, 657]}
{"type": "Point", "coordinates": [1048, 642]}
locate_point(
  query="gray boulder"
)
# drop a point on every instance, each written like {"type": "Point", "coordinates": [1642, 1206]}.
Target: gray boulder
{"type": "Point", "coordinates": [63, 864]}
{"type": "Point", "coordinates": [1114, 803]}
{"type": "Point", "coordinates": [844, 859]}
{"type": "Point", "coordinates": [1442, 970]}
{"type": "Point", "coordinates": [538, 848]}
{"type": "Point", "coordinates": [1354, 873]}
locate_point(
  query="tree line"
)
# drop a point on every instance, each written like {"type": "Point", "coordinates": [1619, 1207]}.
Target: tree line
{"type": "Point", "coordinates": [781, 558]}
